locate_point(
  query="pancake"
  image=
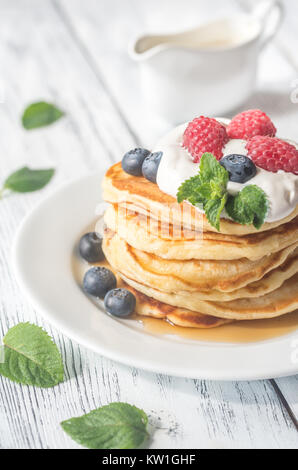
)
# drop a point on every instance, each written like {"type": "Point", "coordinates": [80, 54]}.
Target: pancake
{"type": "Point", "coordinates": [204, 280]}
{"type": "Point", "coordinates": [279, 302]}
{"type": "Point", "coordinates": [149, 307]}
{"type": "Point", "coordinates": [151, 236]}
{"type": "Point", "coordinates": [119, 187]}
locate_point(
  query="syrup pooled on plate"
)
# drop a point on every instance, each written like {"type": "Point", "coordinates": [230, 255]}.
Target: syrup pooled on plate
{"type": "Point", "coordinates": [237, 332]}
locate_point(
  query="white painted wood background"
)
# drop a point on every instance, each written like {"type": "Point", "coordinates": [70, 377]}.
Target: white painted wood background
{"type": "Point", "coordinates": [73, 52]}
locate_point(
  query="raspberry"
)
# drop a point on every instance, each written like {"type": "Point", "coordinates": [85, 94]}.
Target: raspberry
{"type": "Point", "coordinates": [205, 135]}
{"type": "Point", "coordinates": [273, 154]}
{"type": "Point", "coordinates": [249, 124]}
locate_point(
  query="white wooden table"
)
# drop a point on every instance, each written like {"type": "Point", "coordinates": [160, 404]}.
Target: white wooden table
{"type": "Point", "coordinates": [73, 52]}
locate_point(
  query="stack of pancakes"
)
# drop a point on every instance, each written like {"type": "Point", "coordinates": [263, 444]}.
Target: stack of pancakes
{"type": "Point", "coordinates": [181, 269]}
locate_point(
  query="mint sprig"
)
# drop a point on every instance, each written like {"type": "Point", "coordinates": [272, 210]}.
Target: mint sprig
{"type": "Point", "coordinates": [114, 426]}
{"type": "Point", "coordinates": [209, 190]}
{"type": "Point", "coordinates": [30, 357]}
{"type": "Point", "coordinates": [40, 114]}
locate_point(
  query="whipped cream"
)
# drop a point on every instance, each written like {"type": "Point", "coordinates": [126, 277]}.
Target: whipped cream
{"type": "Point", "coordinates": [176, 166]}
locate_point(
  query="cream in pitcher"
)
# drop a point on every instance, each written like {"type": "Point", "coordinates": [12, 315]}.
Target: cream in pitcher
{"type": "Point", "coordinates": [180, 72]}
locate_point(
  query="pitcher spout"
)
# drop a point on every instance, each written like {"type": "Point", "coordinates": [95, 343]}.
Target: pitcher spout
{"type": "Point", "coordinates": [146, 47]}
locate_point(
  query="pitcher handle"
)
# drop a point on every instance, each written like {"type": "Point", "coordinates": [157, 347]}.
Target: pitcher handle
{"type": "Point", "coordinates": [271, 14]}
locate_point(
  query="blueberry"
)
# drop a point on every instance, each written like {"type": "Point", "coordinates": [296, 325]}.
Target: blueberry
{"type": "Point", "coordinates": [133, 160]}
{"type": "Point", "coordinates": [150, 166]}
{"type": "Point", "coordinates": [240, 168]}
{"type": "Point", "coordinates": [120, 302]}
{"type": "Point", "coordinates": [98, 281]}
{"type": "Point", "coordinates": [90, 247]}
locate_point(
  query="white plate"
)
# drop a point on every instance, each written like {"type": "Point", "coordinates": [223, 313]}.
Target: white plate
{"type": "Point", "coordinates": [42, 259]}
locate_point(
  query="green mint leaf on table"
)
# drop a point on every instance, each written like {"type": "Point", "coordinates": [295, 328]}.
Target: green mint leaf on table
{"type": "Point", "coordinates": [31, 357]}
{"type": "Point", "coordinates": [209, 189]}
{"type": "Point", "coordinates": [249, 206]}
{"type": "Point", "coordinates": [40, 114]}
{"type": "Point", "coordinates": [114, 426]}
{"type": "Point", "coordinates": [26, 180]}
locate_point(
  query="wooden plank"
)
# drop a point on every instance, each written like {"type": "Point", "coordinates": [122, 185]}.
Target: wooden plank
{"type": "Point", "coordinates": [289, 388]}
{"type": "Point", "coordinates": [212, 414]}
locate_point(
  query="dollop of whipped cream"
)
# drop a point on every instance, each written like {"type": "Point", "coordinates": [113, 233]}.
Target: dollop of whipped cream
{"type": "Point", "coordinates": [176, 166]}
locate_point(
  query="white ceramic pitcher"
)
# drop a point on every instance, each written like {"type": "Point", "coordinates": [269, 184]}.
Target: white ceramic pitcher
{"type": "Point", "coordinates": [209, 70]}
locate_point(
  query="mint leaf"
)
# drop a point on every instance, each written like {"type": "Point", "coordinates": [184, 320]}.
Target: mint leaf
{"type": "Point", "coordinates": [40, 114]}
{"type": "Point", "coordinates": [188, 189]}
{"type": "Point", "coordinates": [204, 191]}
{"type": "Point", "coordinates": [114, 426]}
{"type": "Point", "coordinates": [26, 180]}
{"type": "Point", "coordinates": [31, 357]}
{"type": "Point", "coordinates": [250, 206]}
{"type": "Point", "coordinates": [210, 169]}
{"type": "Point", "coordinates": [213, 208]}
